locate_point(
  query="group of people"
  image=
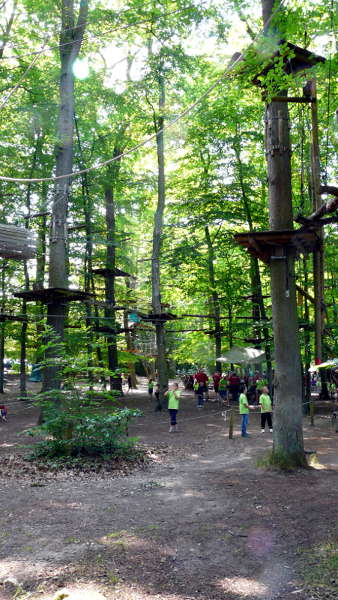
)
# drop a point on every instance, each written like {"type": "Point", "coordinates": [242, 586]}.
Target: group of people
{"type": "Point", "coordinates": [265, 404]}
{"type": "Point", "coordinates": [226, 385]}
{"type": "Point", "coordinates": [238, 390]}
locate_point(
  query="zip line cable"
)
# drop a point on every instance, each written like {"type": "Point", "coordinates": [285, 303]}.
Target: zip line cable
{"type": "Point", "coordinates": [98, 36]}
{"type": "Point", "coordinates": [171, 123]}
{"type": "Point", "coordinates": [35, 59]}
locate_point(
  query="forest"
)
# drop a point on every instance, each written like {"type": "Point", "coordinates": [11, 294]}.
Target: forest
{"type": "Point", "coordinates": [168, 185]}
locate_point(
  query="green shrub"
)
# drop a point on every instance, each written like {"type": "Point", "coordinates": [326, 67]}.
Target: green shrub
{"type": "Point", "coordinates": [86, 435]}
{"type": "Point", "coordinates": [79, 421]}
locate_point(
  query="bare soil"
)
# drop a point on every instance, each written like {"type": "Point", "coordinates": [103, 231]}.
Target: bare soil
{"type": "Point", "coordinates": [200, 522]}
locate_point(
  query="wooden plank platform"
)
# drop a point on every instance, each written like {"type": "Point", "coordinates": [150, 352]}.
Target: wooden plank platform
{"type": "Point", "coordinates": [11, 317]}
{"type": "Point", "coordinates": [105, 272]}
{"type": "Point", "coordinates": [50, 295]}
{"type": "Point", "coordinates": [159, 317]}
{"type": "Point", "coordinates": [263, 244]}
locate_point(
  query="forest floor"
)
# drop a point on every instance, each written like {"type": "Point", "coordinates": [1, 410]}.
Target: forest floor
{"type": "Point", "coordinates": [201, 522]}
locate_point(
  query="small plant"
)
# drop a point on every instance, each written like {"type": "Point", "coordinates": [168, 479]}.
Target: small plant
{"type": "Point", "coordinates": [80, 421]}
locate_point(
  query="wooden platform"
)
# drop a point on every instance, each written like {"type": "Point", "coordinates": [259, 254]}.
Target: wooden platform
{"type": "Point", "coordinates": [50, 295]}
{"type": "Point", "coordinates": [159, 317]}
{"type": "Point", "coordinates": [295, 59]}
{"type": "Point", "coordinates": [263, 244]}
{"type": "Point", "coordinates": [11, 317]}
{"type": "Point", "coordinates": [111, 331]}
{"type": "Point", "coordinates": [105, 272]}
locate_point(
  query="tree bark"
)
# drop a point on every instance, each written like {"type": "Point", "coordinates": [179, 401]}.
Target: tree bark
{"type": "Point", "coordinates": [288, 445]}
{"type": "Point", "coordinates": [110, 278]}
{"type": "Point", "coordinates": [157, 243]}
{"type": "Point", "coordinates": [215, 307]}
{"type": "Point", "coordinates": [70, 43]}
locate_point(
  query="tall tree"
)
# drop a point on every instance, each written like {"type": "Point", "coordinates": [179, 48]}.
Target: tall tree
{"type": "Point", "coordinates": [71, 37]}
{"type": "Point", "coordinates": [288, 442]}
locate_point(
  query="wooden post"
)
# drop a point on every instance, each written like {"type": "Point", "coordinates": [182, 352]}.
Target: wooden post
{"type": "Point", "coordinates": [318, 255]}
{"type": "Point", "coordinates": [318, 266]}
{"type": "Point", "coordinates": [231, 424]}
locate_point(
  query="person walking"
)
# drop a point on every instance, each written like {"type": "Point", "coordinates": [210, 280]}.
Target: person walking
{"type": "Point", "coordinates": [234, 386]}
{"type": "Point", "coordinates": [222, 388]}
{"type": "Point", "coordinates": [266, 409]}
{"type": "Point", "coordinates": [150, 387]}
{"type": "Point", "coordinates": [173, 406]}
{"type": "Point", "coordinates": [216, 379]}
{"type": "Point", "coordinates": [244, 410]}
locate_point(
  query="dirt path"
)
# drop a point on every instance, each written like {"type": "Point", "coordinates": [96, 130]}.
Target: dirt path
{"type": "Point", "coordinates": [202, 523]}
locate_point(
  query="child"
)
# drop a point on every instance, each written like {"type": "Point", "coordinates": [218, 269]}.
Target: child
{"type": "Point", "coordinates": [157, 392]}
{"type": "Point", "coordinates": [173, 405]}
{"type": "Point", "coordinates": [222, 388]}
{"type": "Point", "coordinates": [244, 409]}
{"type": "Point", "coordinates": [150, 387]}
{"type": "Point", "coordinates": [196, 388]}
{"type": "Point", "coordinates": [3, 410]}
{"type": "Point", "coordinates": [266, 409]}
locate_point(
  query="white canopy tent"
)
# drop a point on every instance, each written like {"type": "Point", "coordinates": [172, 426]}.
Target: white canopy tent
{"type": "Point", "coordinates": [239, 356]}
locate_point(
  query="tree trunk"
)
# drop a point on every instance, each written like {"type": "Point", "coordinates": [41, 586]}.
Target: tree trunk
{"type": "Point", "coordinates": [215, 307]}
{"type": "Point", "coordinates": [70, 43]}
{"type": "Point", "coordinates": [318, 255]}
{"type": "Point", "coordinates": [88, 258]}
{"type": "Point", "coordinates": [288, 445]}
{"type": "Point", "coordinates": [110, 281]}
{"type": "Point", "coordinates": [157, 243]}
{"type": "Point", "coordinates": [24, 326]}
{"type": "Point", "coordinates": [129, 341]}
{"type": "Point", "coordinates": [2, 327]}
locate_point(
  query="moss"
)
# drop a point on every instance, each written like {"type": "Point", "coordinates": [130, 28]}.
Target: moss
{"type": "Point", "coordinates": [282, 461]}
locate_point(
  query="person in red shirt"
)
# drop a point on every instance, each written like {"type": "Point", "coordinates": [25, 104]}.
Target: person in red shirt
{"type": "Point", "coordinates": [202, 379]}
{"type": "Point", "coordinates": [234, 383]}
{"type": "Point", "coordinates": [216, 378]}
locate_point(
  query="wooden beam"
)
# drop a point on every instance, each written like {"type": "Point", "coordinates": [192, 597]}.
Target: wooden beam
{"type": "Point", "coordinates": [297, 99]}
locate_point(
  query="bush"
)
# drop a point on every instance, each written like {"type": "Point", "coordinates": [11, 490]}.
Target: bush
{"type": "Point", "coordinates": [86, 435]}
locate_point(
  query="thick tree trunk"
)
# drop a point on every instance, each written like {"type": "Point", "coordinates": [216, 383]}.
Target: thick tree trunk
{"type": "Point", "coordinates": [70, 43]}
{"type": "Point", "coordinates": [214, 307]}
{"type": "Point", "coordinates": [288, 445]}
{"type": "Point", "coordinates": [157, 242]}
{"type": "Point", "coordinates": [288, 433]}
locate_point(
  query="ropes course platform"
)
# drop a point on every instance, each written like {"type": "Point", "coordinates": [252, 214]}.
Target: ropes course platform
{"type": "Point", "coordinates": [11, 317]}
{"type": "Point", "coordinates": [50, 295]}
{"type": "Point", "coordinates": [263, 244]}
{"type": "Point", "coordinates": [159, 317]}
{"type": "Point", "coordinates": [105, 272]}
{"type": "Point", "coordinates": [294, 58]}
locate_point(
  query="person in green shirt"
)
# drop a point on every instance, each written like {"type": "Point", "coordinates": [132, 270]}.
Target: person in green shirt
{"type": "Point", "coordinates": [266, 409]}
{"type": "Point", "coordinates": [173, 405]}
{"type": "Point", "coordinates": [244, 409]}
